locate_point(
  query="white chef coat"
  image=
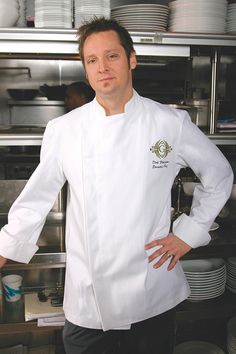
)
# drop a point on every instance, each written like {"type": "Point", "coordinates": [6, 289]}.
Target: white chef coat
{"type": "Point", "coordinates": [120, 170]}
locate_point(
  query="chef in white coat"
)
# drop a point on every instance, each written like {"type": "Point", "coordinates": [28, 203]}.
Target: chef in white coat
{"type": "Point", "coordinates": [120, 155]}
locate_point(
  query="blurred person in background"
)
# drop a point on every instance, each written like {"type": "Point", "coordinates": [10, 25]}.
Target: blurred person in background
{"type": "Point", "coordinates": [77, 94]}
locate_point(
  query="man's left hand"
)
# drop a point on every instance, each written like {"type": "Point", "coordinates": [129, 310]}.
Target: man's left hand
{"type": "Point", "coordinates": [170, 248]}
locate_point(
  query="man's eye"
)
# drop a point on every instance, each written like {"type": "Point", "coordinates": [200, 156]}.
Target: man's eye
{"type": "Point", "coordinates": [91, 61]}
{"type": "Point", "coordinates": [113, 56]}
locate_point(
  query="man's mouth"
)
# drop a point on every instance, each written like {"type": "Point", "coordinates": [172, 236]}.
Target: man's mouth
{"type": "Point", "coordinates": [105, 79]}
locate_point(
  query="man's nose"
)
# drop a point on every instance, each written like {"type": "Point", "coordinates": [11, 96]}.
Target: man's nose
{"type": "Point", "coordinates": [102, 65]}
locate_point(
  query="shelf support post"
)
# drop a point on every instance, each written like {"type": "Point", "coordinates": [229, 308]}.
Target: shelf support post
{"type": "Point", "coordinates": [213, 96]}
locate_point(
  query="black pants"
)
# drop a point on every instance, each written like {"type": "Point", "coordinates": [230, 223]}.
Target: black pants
{"type": "Point", "coordinates": [153, 336]}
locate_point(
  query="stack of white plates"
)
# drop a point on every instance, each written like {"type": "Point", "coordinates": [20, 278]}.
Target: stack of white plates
{"type": "Point", "coordinates": [197, 347]}
{"type": "Point", "coordinates": [231, 274]}
{"type": "Point", "coordinates": [84, 10]}
{"type": "Point", "coordinates": [206, 277]}
{"type": "Point", "coordinates": [142, 17]}
{"type": "Point", "coordinates": [198, 16]}
{"type": "Point", "coordinates": [231, 19]}
{"type": "Point", "coordinates": [53, 13]}
{"type": "Point", "coordinates": [231, 336]}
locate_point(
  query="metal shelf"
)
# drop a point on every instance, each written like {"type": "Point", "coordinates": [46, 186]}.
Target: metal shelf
{"type": "Point", "coordinates": [40, 261]}
{"type": "Point", "coordinates": [65, 42]}
{"type": "Point", "coordinates": [223, 139]}
{"type": "Point", "coordinates": [36, 102]}
{"type": "Point", "coordinates": [20, 139]}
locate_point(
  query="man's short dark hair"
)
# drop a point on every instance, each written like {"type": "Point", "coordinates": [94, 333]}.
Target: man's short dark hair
{"type": "Point", "coordinates": [102, 24]}
{"type": "Point", "coordinates": [82, 89]}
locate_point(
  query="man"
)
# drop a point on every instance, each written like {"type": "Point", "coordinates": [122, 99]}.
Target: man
{"type": "Point", "coordinates": [77, 94]}
{"type": "Point", "coordinates": [120, 154]}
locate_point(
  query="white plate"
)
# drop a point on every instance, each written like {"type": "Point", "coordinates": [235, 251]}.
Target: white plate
{"type": "Point", "coordinates": [214, 226]}
{"type": "Point", "coordinates": [202, 265]}
{"type": "Point", "coordinates": [140, 16]}
{"type": "Point", "coordinates": [141, 6]}
{"type": "Point", "coordinates": [231, 260]}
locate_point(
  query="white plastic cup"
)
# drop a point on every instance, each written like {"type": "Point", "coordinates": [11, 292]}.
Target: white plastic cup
{"type": "Point", "coordinates": [12, 287]}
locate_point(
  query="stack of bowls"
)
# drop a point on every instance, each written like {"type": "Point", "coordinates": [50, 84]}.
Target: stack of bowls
{"type": "Point", "coordinates": [22, 14]}
{"type": "Point", "coordinates": [9, 13]}
{"type": "Point", "coordinates": [85, 10]}
{"type": "Point", "coordinates": [53, 14]}
{"type": "Point", "coordinates": [198, 16]}
{"type": "Point", "coordinates": [231, 19]}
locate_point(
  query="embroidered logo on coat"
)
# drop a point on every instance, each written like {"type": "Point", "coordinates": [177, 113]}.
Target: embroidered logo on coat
{"type": "Point", "coordinates": [161, 149]}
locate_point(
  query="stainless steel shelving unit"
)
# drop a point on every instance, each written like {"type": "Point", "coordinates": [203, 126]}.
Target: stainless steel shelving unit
{"type": "Point", "coordinates": [62, 44]}
{"type": "Point", "coordinates": [48, 43]}
{"type": "Point", "coordinates": [57, 41]}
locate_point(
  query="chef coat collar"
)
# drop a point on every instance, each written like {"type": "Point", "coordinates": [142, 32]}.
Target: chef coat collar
{"type": "Point", "coordinates": [129, 107]}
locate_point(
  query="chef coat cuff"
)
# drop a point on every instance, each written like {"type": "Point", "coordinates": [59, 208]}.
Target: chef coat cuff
{"type": "Point", "coordinates": [16, 250]}
{"type": "Point", "coordinates": [190, 232]}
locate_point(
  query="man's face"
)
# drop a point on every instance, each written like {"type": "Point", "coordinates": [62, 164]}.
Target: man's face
{"type": "Point", "coordinates": [73, 99]}
{"type": "Point", "coordinates": [107, 66]}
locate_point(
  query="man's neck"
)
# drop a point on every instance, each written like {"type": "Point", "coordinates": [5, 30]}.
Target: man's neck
{"type": "Point", "coordinates": [114, 105]}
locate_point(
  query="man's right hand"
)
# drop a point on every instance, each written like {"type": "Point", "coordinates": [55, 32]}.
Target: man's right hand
{"type": "Point", "coordinates": [2, 261]}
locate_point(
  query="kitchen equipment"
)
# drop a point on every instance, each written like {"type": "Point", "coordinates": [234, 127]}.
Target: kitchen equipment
{"type": "Point", "coordinates": [54, 92]}
{"type": "Point", "coordinates": [23, 94]}
{"type": "Point", "coordinates": [202, 110]}
{"type": "Point", "coordinates": [35, 113]}
{"type": "Point", "coordinates": [192, 111]}
{"type": "Point", "coordinates": [10, 190]}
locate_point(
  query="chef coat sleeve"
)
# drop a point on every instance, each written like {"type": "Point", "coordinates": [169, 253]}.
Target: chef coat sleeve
{"type": "Point", "coordinates": [213, 170]}
{"type": "Point", "coordinates": [28, 213]}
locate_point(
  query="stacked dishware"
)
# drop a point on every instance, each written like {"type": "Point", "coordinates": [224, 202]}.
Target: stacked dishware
{"type": "Point", "coordinates": [53, 14]}
{"type": "Point", "coordinates": [231, 274]}
{"type": "Point", "coordinates": [198, 16]}
{"type": "Point", "coordinates": [85, 10]}
{"type": "Point", "coordinates": [142, 17]}
{"type": "Point", "coordinates": [9, 13]}
{"type": "Point", "coordinates": [22, 14]}
{"type": "Point", "coordinates": [206, 277]}
{"type": "Point", "coordinates": [197, 347]}
{"type": "Point", "coordinates": [231, 19]}
{"type": "Point", "coordinates": [231, 336]}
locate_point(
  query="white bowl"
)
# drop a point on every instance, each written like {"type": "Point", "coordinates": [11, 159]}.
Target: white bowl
{"type": "Point", "coordinates": [8, 14]}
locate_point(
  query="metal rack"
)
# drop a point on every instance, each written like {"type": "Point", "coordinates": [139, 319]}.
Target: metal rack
{"type": "Point", "coordinates": [62, 44]}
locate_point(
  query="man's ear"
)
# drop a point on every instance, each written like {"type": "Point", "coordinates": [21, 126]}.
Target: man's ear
{"type": "Point", "coordinates": [133, 60]}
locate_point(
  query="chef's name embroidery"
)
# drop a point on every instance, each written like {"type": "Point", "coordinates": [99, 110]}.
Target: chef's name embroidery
{"type": "Point", "coordinates": [160, 164]}
{"type": "Point", "coordinates": [161, 149]}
